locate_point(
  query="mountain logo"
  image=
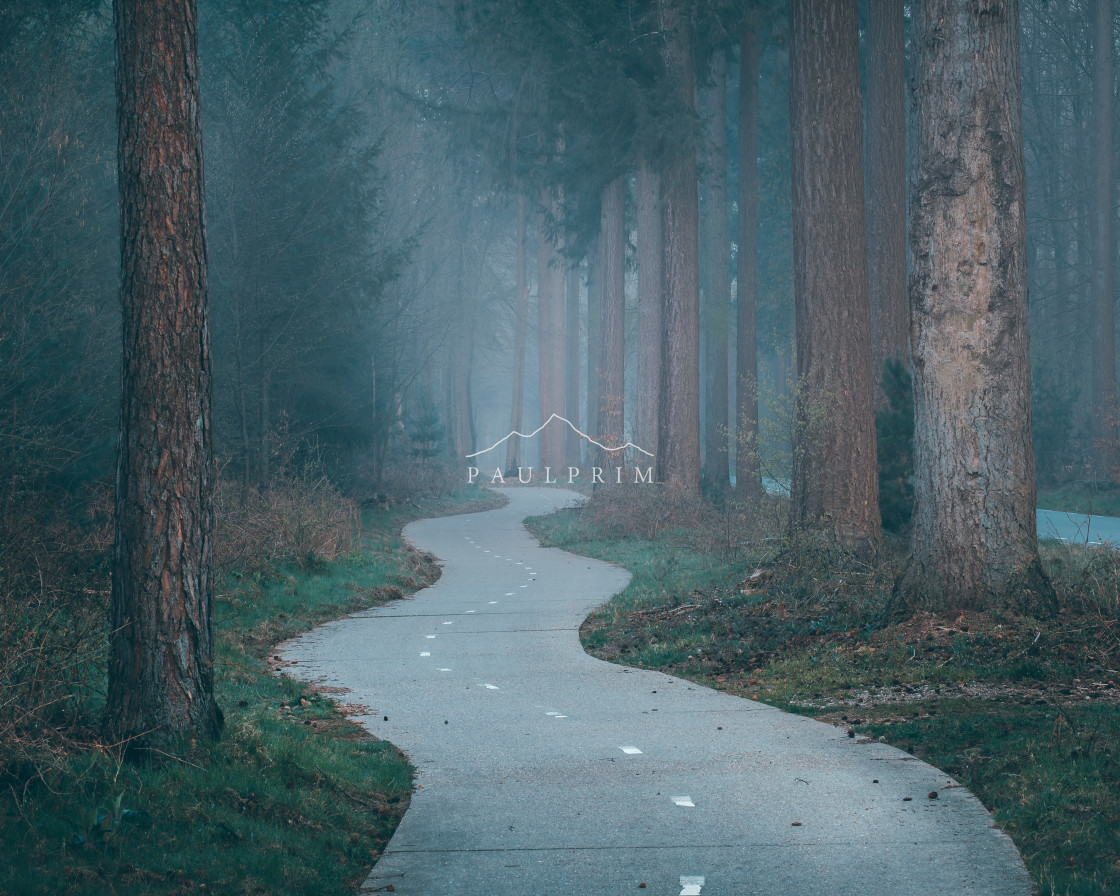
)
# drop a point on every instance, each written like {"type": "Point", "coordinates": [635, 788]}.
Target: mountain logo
{"type": "Point", "coordinates": [574, 429]}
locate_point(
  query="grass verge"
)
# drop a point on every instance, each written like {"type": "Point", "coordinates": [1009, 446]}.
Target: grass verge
{"type": "Point", "coordinates": [294, 798]}
{"type": "Point", "coordinates": [1023, 712]}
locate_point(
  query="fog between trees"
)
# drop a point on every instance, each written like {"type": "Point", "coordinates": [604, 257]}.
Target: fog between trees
{"type": "Point", "coordinates": [679, 224]}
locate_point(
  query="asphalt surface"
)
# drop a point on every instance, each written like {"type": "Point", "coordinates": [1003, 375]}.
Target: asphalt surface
{"type": "Point", "coordinates": [541, 770]}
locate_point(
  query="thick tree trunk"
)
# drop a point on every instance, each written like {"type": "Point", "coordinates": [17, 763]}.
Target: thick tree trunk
{"type": "Point", "coordinates": [161, 677]}
{"type": "Point", "coordinates": [612, 237]}
{"type": "Point", "coordinates": [520, 329]}
{"type": "Point", "coordinates": [748, 471]}
{"type": "Point", "coordinates": [649, 310]}
{"type": "Point", "coordinates": [886, 185]}
{"type": "Point", "coordinates": [679, 440]}
{"type": "Point", "coordinates": [572, 442]}
{"type": "Point", "coordinates": [1106, 451]}
{"type": "Point", "coordinates": [835, 474]}
{"type": "Point", "coordinates": [974, 544]}
{"type": "Point", "coordinates": [717, 288]}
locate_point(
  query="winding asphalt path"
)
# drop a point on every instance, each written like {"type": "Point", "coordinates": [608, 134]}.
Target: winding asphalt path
{"type": "Point", "coordinates": [541, 770]}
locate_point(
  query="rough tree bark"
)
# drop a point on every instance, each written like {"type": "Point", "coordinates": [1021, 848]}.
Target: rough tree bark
{"type": "Point", "coordinates": [612, 238]}
{"type": "Point", "coordinates": [1104, 425]}
{"type": "Point", "coordinates": [717, 288]}
{"type": "Point", "coordinates": [886, 185]}
{"type": "Point", "coordinates": [975, 543]}
{"type": "Point", "coordinates": [835, 483]}
{"type": "Point", "coordinates": [649, 310]}
{"type": "Point", "coordinates": [520, 334]}
{"type": "Point", "coordinates": [748, 471]}
{"type": "Point", "coordinates": [161, 677]}
{"type": "Point", "coordinates": [679, 439]}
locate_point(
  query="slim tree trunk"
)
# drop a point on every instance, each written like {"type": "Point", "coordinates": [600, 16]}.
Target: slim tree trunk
{"type": "Point", "coordinates": [835, 474]}
{"type": "Point", "coordinates": [975, 543]}
{"type": "Point", "coordinates": [161, 678]}
{"type": "Point", "coordinates": [549, 330]}
{"type": "Point", "coordinates": [679, 441]}
{"type": "Point", "coordinates": [594, 320]}
{"type": "Point", "coordinates": [649, 309]}
{"type": "Point", "coordinates": [717, 288]}
{"type": "Point", "coordinates": [886, 185]}
{"type": "Point", "coordinates": [612, 237]}
{"type": "Point", "coordinates": [748, 472]}
{"type": "Point", "coordinates": [1105, 409]}
{"type": "Point", "coordinates": [521, 325]}
{"type": "Point", "coordinates": [572, 443]}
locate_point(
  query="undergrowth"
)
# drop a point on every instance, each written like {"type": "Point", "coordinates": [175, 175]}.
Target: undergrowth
{"type": "Point", "coordinates": [294, 798]}
{"type": "Point", "coordinates": [1024, 712]}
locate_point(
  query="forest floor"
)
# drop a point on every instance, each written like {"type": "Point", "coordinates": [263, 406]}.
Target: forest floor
{"type": "Point", "coordinates": [1024, 712]}
{"type": "Point", "coordinates": [295, 798]}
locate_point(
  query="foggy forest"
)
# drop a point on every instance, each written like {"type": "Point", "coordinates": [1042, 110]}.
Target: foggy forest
{"type": "Point", "coordinates": [840, 276]}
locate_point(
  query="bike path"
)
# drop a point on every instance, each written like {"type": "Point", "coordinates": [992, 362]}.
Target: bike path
{"type": "Point", "coordinates": [541, 770]}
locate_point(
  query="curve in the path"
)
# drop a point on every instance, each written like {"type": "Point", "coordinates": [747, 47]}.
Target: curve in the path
{"type": "Point", "coordinates": [541, 770]}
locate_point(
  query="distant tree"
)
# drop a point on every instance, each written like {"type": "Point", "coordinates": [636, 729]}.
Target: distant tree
{"type": "Point", "coordinates": [886, 184]}
{"type": "Point", "coordinates": [894, 430]}
{"type": "Point", "coordinates": [573, 444]}
{"type": "Point", "coordinates": [835, 477]}
{"type": "Point", "coordinates": [161, 677]}
{"type": "Point", "coordinates": [748, 473]}
{"type": "Point", "coordinates": [975, 543]}
{"type": "Point", "coordinates": [679, 439]}
{"type": "Point", "coordinates": [520, 331]}
{"type": "Point", "coordinates": [715, 315]}
{"type": "Point", "coordinates": [650, 306]}
{"type": "Point", "coordinates": [612, 330]}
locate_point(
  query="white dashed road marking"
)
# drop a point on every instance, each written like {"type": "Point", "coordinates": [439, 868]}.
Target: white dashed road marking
{"type": "Point", "coordinates": [630, 751]}
{"type": "Point", "coordinates": [491, 687]}
{"type": "Point", "coordinates": [685, 801]}
{"type": "Point", "coordinates": [425, 653]}
{"type": "Point", "coordinates": [691, 884]}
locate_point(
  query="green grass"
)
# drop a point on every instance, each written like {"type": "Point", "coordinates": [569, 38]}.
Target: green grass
{"type": "Point", "coordinates": [293, 799]}
{"type": "Point", "coordinates": [1024, 712]}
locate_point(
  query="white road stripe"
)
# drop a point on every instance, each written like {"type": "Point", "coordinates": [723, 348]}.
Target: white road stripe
{"type": "Point", "coordinates": [691, 884]}
{"type": "Point", "coordinates": [491, 687]}
{"type": "Point", "coordinates": [630, 751]}
{"type": "Point", "coordinates": [425, 653]}
{"type": "Point", "coordinates": [685, 801]}
{"type": "Point", "coordinates": [429, 637]}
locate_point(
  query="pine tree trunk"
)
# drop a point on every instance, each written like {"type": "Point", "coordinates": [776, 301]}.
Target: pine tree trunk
{"type": "Point", "coordinates": [521, 326]}
{"type": "Point", "coordinates": [612, 235]}
{"type": "Point", "coordinates": [748, 473]}
{"type": "Point", "coordinates": [717, 288]}
{"type": "Point", "coordinates": [679, 439]}
{"type": "Point", "coordinates": [161, 678]}
{"type": "Point", "coordinates": [1106, 451]}
{"type": "Point", "coordinates": [649, 310]}
{"type": "Point", "coordinates": [974, 543]}
{"type": "Point", "coordinates": [886, 185]}
{"type": "Point", "coordinates": [835, 483]}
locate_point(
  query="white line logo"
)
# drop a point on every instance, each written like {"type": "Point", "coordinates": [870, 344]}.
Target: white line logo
{"type": "Point", "coordinates": [582, 435]}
